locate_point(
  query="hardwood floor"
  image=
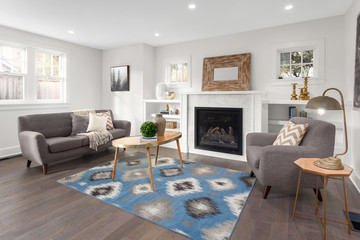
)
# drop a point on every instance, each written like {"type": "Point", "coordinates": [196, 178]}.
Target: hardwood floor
{"type": "Point", "coordinates": [34, 206]}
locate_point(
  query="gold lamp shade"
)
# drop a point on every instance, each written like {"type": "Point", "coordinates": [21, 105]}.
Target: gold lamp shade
{"type": "Point", "coordinates": [329, 103]}
{"type": "Point", "coordinates": [324, 102]}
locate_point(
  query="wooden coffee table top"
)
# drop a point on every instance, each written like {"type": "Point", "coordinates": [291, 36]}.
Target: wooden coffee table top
{"type": "Point", "coordinates": [135, 141]}
{"type": "Point", "coordinates": [307, 165]}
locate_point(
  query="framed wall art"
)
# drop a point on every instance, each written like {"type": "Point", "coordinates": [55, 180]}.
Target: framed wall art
{"type": "Point", "coordinates": [120, 78]}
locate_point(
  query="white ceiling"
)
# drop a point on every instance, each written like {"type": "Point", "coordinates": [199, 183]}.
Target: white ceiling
{"type": "Point", "coordinates": [105, 24]}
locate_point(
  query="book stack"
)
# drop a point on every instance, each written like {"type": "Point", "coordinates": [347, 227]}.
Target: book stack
{"type": "Point", "coordinates": [164, 112]}
{"type": "Point", "coordinates": [292, 112]}
{"type": "Point", "coordinates": [148, 139]}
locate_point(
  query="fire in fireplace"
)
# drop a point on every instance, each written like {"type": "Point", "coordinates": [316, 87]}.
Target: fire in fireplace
{"type": "Point", "coordinates": [218, 129]}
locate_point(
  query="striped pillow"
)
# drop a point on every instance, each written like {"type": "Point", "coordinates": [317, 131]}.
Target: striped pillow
{"type": "Point", "coordinates": [291, 134]}
{"type": "Point", "coordinates": [109, 123]}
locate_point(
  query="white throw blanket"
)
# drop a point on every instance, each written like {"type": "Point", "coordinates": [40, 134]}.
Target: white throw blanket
{"type": "Point", "coordinates": [95, 138]}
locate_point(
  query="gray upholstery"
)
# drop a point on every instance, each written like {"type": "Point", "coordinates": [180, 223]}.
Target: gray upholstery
{"type": "Point", "coordinates": [45, 138]}
{"type": "Point", "coordinates": [274, 165]}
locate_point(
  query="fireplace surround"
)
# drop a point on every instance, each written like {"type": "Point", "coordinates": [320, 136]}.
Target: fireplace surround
{"type": "Point", "coordinates": [219, 129]}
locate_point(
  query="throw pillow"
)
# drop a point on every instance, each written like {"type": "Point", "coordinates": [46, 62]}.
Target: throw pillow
{"type": "Point", "coordinates": [109, 123]}
{"type": "Point", "coordinates": [291, 134]}
{"type": "Point", "coordinates": [79, 124]}
{"type": "Point", "coordinates": [96, 123]}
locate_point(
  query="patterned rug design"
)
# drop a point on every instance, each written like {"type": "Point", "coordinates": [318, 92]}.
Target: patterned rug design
{"type": "Point", "coordinates": [199, 201]}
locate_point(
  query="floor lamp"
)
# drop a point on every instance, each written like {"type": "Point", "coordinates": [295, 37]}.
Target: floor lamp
{"type": "Point", "coordinates": [323, 103]}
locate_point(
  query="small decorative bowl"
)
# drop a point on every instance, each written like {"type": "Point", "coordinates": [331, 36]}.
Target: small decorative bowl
{"type": "Point", "coordinates": [170, 95]}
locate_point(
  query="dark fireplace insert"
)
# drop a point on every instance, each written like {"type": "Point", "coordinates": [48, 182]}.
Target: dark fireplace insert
{"type": "Point", "coordinates": [219, 129]}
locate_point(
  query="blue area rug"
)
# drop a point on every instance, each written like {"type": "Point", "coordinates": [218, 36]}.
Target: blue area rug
{"type": "Point", "coordinates": [199, 201]}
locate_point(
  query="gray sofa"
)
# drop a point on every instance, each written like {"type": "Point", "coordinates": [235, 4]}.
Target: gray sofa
{"type": "Point", "coordinates": [46, 138]}
{"type": "Point", "coordinates": [274, 165]}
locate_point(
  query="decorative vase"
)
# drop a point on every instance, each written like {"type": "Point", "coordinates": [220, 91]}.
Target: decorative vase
{"type": "Point", "coordinates": [160, 123]}
{"type": "Point", "coordinates": [161, 88]}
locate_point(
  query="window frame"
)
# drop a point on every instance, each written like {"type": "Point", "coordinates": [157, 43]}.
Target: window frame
{"type": "Point", "coordinates": [318, 48]}
{"type": "Point", "coordinates": [177, 60]}
{"type": "Point", "coordinates": [23, 74]}
{"type": "Point", "coordinates": [30, 78]}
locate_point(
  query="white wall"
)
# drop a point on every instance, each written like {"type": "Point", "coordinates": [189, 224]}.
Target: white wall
{"type": "Point", "coordinates": [261, 44]}
{"type": "Point", "coordinates": [350, 40]}
{"type": "Point", "coordinates": [128, 105]}
{"type": "Point", "coordinates": [83, 84]}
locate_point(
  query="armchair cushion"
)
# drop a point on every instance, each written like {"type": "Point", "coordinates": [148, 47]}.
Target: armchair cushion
{"type": "Point", "coordinates": [291, 134]}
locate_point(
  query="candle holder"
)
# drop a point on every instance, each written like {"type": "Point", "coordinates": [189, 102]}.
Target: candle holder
{"type": "Point", "coordinates": [305, 91]}
{"type": "Point", "coordinates": [294, 95]}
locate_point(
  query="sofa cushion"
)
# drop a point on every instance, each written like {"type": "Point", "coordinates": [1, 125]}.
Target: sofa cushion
{"type": "Point", "coordinates": [291, 134]}
{"type": "Point", "coordinates": [117, 133]}
{"type": "Point", "coordinates": [79, 124]}
{"type": "Point", "coordinates": [59, 144]}
{"type": "Point", "coordinates": [253, 155]}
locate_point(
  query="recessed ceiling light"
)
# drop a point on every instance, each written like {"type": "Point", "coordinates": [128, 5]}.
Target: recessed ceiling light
{"type": "Point", "coordinates": [192, 6]}
{"type": "Point", "coordinates": [288, 7]}
{"type": "Point", "coordinates": [71, 31]}
{"type": "Point", "coordinates": [157, 34]}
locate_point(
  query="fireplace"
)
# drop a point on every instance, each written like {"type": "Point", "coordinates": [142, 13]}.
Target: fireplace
{"type": "Point", "coordinates": [219, 129]}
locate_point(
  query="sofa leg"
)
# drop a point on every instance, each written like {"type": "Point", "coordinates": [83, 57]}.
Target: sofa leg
{"type": "Point", "coordinates": [124, 149]}
{"type": "Point", "coordinates": [319, 197]}
{"type": "Point", "coordinates": [251, 174]}
{"type": "Point", "coordinates": [28, 163]}
{"type": "Point", "coordinates": [45, 168]}
{"type": "Point", "coordinates": [266, 191]}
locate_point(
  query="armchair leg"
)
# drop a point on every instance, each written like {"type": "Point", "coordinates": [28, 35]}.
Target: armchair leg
{"type": "Point", "coordinates": [45, 168]}
{"type": "Point", "coordinates": [28, 163]}
{"type": "Point", "coordinates": [251, 174]}
{"type": "Point", "coordinates": [319, 197]}
{"type": "Point", "coordinates": [266, 191]}
{"type": "Point", "coordinates": [124, 149]}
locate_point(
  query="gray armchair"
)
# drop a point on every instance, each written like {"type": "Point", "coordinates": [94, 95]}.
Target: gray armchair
{"type": "Point", "coordinates": [274, 165]}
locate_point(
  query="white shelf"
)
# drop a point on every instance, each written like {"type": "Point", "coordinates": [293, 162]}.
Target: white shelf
{"type": "Point", "coordinates": [286, 102]}
{"type": "Point", "coordinates": [172, 129]}
{"type": "Point", "coordinates": [170, 116]}
{"type": "Point", "coordinates": [224, 93]}
{"type": "Point", "coordinates": [160, 101]}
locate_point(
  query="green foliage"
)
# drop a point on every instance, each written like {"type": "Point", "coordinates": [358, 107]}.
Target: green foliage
{"type": "Point", "coordinates": [148, 129]}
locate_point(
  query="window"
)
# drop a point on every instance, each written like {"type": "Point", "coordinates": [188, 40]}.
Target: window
{"type": "Point", "coordinates": [296, 64]}
{"type": "Point", "coordinates": [49, 74]}
{"type": "Point", "coordinates": [297, 60]}
{"type": "Point", "coordinates": [177, 72]}
{"type": "Point", "coordinates": [31, 75]}
{"type": "Point", "coordinates": [12, 72]}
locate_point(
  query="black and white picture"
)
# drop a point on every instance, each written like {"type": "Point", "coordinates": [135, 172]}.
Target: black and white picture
{"type": "Point", "coordinates": [120, 78]}
{"type": "Point", "coordinates": [357, 67]}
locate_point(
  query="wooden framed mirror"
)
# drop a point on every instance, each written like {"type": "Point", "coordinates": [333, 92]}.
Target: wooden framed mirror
{"type": "Point", "coordinates": [227, 73]}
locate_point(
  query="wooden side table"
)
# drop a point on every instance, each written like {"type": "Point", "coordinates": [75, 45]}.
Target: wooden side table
{"type": "Point", "coordinates": [135, 142]}
{"type": "Point", "coordinates": [307, 165]}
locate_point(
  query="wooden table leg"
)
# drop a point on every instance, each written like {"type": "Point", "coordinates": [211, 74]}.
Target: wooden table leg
{"type": "Point", "coordinates": [346, 205]}
{"type": "Point", "coordinates": [150, 168]}
{"type": "Point", "coordinates": [178, 146]}
{"type": "Point", "coordinates": [156, 154]}
{"type": "Point", "coordinates": [325, 207]}
{"type": "Point", "coordinates": [115, 162]}
{"type": "Point", "coordinates": [297, 195]}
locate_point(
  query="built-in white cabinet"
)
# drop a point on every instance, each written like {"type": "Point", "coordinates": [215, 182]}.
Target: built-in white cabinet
{"type": "Point", "coordinates": [154, 106]}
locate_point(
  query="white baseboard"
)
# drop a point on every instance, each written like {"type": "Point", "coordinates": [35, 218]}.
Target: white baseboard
{"type": "Point", "coordinates": [9, 152]}
{"type": "Point", "coordinates": [355, 180]}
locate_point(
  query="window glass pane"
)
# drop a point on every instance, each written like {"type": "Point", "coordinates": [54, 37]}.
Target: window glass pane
{"type": "Point", "coordinates": [12, 59]}
{"type": "Point", "coordinates": [11, 87]}
{"type": "Point", "coordinates": [185, 73]}
{"type": "Point", "coordinates": [48, 88]}
{"type": "Point", "coordinates": [308, 70]}
{"type": "Point", "coordinates": [39, 69]}
{"type": "Point", "coordinates": [308, 56]}
{"type": "Point", "coordinates": [296, 70]}
{"type": "Point", "coordinates": [39, 57]}
{"type": "Point", "coordinates": [178, 73]}
{"type": "Point", "coordinates": [285, 72]}
{"type": "Point", "coordinates": [284, 58]}
{"type": "Point", "coordinates": [296, 57]}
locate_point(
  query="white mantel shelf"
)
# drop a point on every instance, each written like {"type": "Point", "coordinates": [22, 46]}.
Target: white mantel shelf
{"type": "Point", "coordinates": [225, 93]}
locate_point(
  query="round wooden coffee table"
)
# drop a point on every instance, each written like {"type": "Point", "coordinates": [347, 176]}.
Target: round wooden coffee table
{"type": "Point", "coordinates": [135, 142]}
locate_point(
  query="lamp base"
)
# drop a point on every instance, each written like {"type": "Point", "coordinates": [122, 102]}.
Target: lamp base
{"type": "Point", "coordinates": [329, 163]}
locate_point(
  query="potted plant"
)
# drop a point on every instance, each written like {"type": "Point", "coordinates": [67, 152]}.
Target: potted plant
{"type": "Point", "coordinates": [148, 129]}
